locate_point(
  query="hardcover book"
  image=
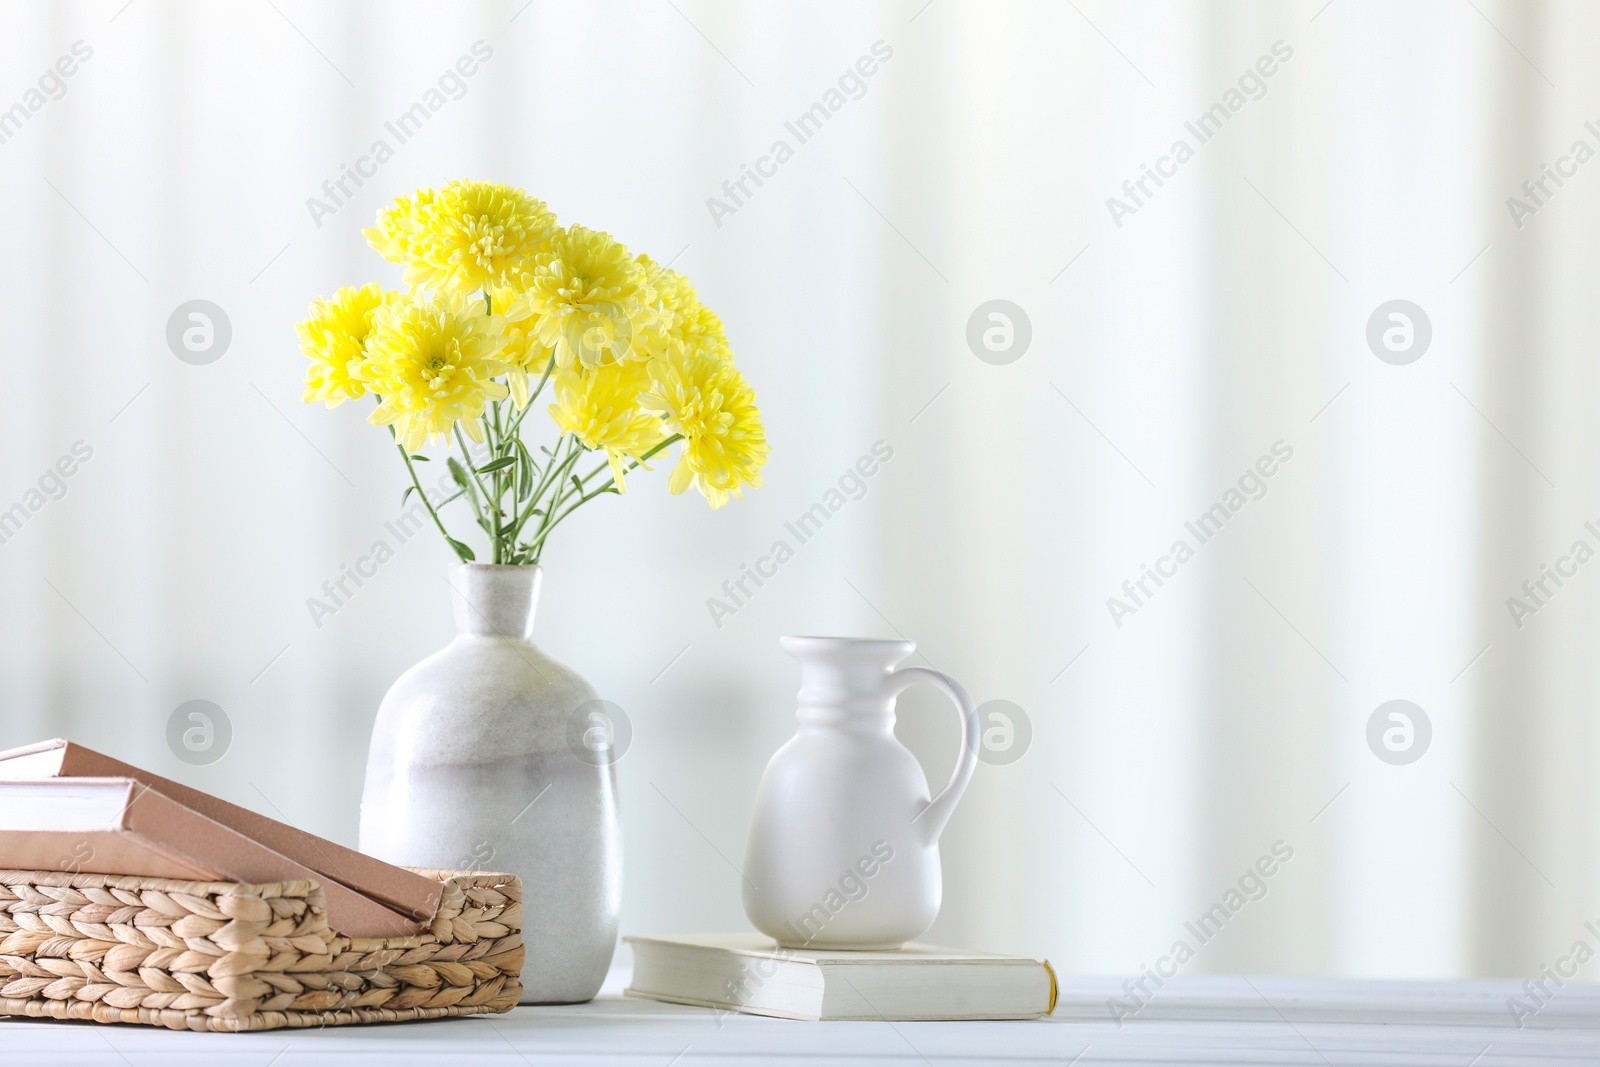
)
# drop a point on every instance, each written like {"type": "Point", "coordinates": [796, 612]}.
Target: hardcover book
{"type": "Point", "coordinates": [406, 897]}
{"type": "Point", "coordinates": [752, 973]}
{"type": "Point", "coordinates": [121, 826]}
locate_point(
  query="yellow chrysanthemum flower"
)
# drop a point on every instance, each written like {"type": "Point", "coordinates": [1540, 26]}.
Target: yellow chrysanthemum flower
{"type": "Point", "coordinates": [682, 317]}
{"type": "Point", "coordinates": [465, 237]}
{"type": "Point", "coordinates": [586, 298]}
{"type": "Point", "coordinates": [433, 362]}
{"type": "Point", "coordinates": [600, 407]}
{"type": "Point", "coordinates": [524, 356]}
{"type": "Point", "coordinates": [333, 338]}
{"type": "Point", "coordinates": [705, 399]}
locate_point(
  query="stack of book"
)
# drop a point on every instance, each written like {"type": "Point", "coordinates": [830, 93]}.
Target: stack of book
{"type": "Point", "coordinates": [67, 808]}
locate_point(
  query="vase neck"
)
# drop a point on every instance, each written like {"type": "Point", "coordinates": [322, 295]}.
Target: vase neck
{"type": "Point", "coordinates": [844, 681]}
{"type": "Point", "coordinates": [494, 600]}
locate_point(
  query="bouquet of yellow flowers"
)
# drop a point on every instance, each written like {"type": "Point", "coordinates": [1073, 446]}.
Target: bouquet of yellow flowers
{"type": "Point", "coordinates": [502, 303]}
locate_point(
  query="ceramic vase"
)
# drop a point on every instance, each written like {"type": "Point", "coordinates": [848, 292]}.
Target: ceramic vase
{"type": "Point", "coordinates": [844, 840]}
{"type": "Point", "coordinates": [490, 755]}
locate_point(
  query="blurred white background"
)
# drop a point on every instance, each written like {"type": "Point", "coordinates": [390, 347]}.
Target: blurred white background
{"type": "Point", "coordinates": [1168, 353]}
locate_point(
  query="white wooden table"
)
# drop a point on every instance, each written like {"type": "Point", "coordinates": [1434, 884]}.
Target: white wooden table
{"type": "Point", "coordinates": [1190, 1021]}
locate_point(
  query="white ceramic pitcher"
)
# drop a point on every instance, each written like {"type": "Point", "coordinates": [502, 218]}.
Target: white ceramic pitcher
{"type": "Point", "coordinates": [844, 843]}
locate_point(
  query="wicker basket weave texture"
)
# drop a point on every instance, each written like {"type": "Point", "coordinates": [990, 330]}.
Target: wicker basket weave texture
{"type": "Point", "coordinates": [223, 956]}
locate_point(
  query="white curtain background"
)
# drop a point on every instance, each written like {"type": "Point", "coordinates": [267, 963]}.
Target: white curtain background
{"type": "Point", "coordinates": [1227, 313]}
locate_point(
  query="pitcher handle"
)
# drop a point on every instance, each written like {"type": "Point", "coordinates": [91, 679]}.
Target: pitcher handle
{"type": "Point", "coordinates": [931, 820]}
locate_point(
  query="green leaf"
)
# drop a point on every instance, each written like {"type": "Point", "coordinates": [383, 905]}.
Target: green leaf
{"type": "Point", "coordinates": [464, 480]}
{"type": "Point", "coordinates": [578, 485]}
{"type": "Point", "coordinates": [498, 465]}
{"type": "Point", "coordinates": [421, 459]}
{"type": "Point", "coordinates": [525, 472]}
{"type": "Point", "coordinates": [458, 472]}
{"type": "Point", "coordinates": [462, 551]}
{"type": "Point", "coordinates": [407, 494]}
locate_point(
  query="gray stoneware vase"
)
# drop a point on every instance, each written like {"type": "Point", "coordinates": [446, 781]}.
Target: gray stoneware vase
{"type": "Point", "coordinates": [490, 755]}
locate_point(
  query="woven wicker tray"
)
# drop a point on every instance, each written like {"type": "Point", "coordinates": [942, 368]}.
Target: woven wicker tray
{"type": "Point", "coordinates": [232, 957]}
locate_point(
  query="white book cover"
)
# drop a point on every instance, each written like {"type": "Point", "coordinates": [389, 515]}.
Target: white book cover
{"type": "Point", "coordinates": [752, 973]}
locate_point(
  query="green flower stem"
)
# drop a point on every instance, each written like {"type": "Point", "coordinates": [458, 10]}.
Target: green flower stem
{"type": "Point", "coordinates": [496, 478]}
{"type": "Point", "coordinates": [494, 484]}
{"type": "Point", "coordinates": [558, 460]}
{"type": "Point", "coordinates": [537, 543]}
{"type": "Point", "coordinates": [557, 494]}
{"type": "Point", "coordinates": [472, 472]}
{"type": "Point", "coordinates": [558, 482]}
{"type": "Point", "coordinates": [412, 467]}
{"type": "Point", "coordinates": [610, 485]}
{"type": "Point", "coordinates": [635, 464]}
{"type": "Point", "coordinates": [554, 514]}
{"type": "Point", "coordinates": [559, 485]}
{"type": "Point", "coordinates": [552, 465]}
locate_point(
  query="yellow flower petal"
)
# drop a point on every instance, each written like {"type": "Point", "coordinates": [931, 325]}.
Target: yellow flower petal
{"type": "Point", "coordinates": [586, 299]}
{"type": "Point", "coordinates": [704, 398]}
{"type": "Point", "coordinates": [433, 363]}
{"type": "Point", "coordinates": [601, 408]}
{"type": "Point", "coordinates": [463, 238]}
{"type": "Point", "coordinates": [334, 338]}
{"type": "Point", "coordinates": [680, 316]}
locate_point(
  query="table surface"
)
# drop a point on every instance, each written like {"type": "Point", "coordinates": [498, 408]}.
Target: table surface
{"type": "Point", "coordinates": [1188, 1021]}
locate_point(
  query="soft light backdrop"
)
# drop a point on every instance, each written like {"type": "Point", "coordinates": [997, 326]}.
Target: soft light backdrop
{"type": "Point", "coordinates": [1168, 354]}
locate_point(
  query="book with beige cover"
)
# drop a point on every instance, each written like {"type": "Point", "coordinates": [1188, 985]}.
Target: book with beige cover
{"type": "Point", "coordinates": [751, 973]}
